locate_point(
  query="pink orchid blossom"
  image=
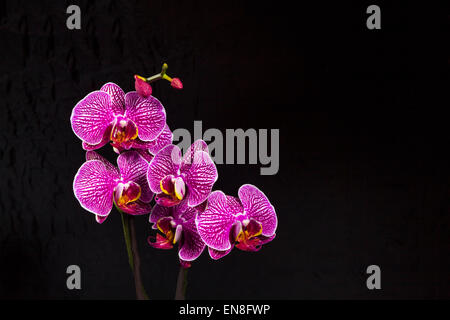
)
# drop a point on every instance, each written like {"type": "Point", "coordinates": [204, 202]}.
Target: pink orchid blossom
{"type": "Point", "coordinates": [127, 120]}
{"type": "Point", "coordinates": [246, 222]}
{"type": "Point", "coordinates": [98, 184]}
{"type": "Point", "coordinates": [177, 225]}
{"type": "Point", "coordinates": [174, 178]}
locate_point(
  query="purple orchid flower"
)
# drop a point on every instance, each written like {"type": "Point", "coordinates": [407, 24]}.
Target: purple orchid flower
{"type": "Point", "coordinates": [174, 178]}
{"type": "Point", "coordinates": [177, 225]}
{"type": "Point", "coordinates": [98, 184]}
{"type": "Point", "coordinates": [247, 222]}
{"type": "Point", "coordinates": [128, 120]}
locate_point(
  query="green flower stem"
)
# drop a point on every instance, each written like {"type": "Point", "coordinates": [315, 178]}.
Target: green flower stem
{"type": "Point", "coordinates": [129, 234]}
{"type": "Point", "coordinates": [153, 78]}
{"type": "Point", "coordinates": [180, 293]}
{"type": "Point", "coordinates": [126, 235]}
{"type": "Point", "coordinates": [161, 75]}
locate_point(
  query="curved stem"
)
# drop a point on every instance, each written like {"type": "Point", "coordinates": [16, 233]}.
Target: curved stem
{"type": "Point", "coordinates": [134, 260]}
{"type": "Point", "coordinates": [153, 78]}
{"type": "Point", "coordinates": [180, 293]}
{"type": "Point", "coordinates": [161, 75]}
{"type": "Point", "coordinates": [126, 236]}
{"type": "Point", "coordinates": [140, 291]}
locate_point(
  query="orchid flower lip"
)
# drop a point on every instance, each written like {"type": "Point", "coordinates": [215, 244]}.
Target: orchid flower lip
{"type": "Point", "coordinates": [173, 187]}
{"type": "Point", "coordinates": [123, 130]}
{"type": "Point", "coordinates": [125, 193]}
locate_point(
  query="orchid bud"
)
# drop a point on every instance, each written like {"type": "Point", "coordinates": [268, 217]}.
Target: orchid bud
{"type": "Point", "coordinates": [176, 83]}
{"type": "Point", "coordinates": [142, 87]}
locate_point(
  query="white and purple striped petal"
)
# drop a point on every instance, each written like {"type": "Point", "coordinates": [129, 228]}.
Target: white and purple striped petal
{"type": "Point", "coordinates": [192, 245]}
{"type": "Point", "coordinates": [93, 187]}
{"type": "Point", "coordinates": [215, 223]}
{"type": "Point", "coordinates": [188, 158]}
{"type": "Point", "coordinates": [117, 97]}
{"type": "Point", "coordinates": [92, 155]}
{"type": "Point", "coordinates": [200, 178]}
{"type": "Point", "coordinates": [234, 205]}
{"type": "Point", "coordinates": [184, 212]}
{"type": "Point", "coordinates": [258, 207]}
{"type": "Point", "coordinates": [163, 139]}
{"type": "Point", "coordinates": [92, 116]}
{"type": "Point", "coordinates": [147, 113]}
{"type": "Point", "coordinates": [106, 138]}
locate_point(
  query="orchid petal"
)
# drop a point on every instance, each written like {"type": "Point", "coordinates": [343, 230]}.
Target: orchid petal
{"type": "Point", "coordinates": [188, 158]}
{"type": "Point", "coordinates": [92, 116]}
{"type": "Point", "coordinates": [147, 113]}
{"type": "Point", "coordinates": [163, 139]}
{"type": "Point", "coordinates": [145, 154]}
{"type": "Point", "coordinates": [214, 224]}
{"type": "Point", "coordinates": [200, 178]}
{"type": "Point", "coordinates": [117, 97]}
{"type": "Point", "coordinates": [183, 211]}
{"type": "Point", "coordinates": [106, 138]}
{"type": "Point", "coordinates": [258, 207]}
{"type": "Point", "coordinates": [192, 244]}
{"type": "Point", "coordinates": [202, 206]}
{"type": "Point", "coordinates": [92, 155]}
{"type": "Point", "coordinates": [234, 205]}
{"type": "Point", "coordinates": [93, 187]}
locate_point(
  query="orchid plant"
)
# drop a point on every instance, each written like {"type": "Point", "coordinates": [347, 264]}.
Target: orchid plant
{"type": "Point", "coordinates": [150, 168]}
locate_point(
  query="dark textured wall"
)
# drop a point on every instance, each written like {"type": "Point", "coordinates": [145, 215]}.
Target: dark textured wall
{"type": "Point", "coordinates": [362, 178]}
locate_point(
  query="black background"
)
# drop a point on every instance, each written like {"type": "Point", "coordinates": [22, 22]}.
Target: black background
{"type": "Point", "coordinates": [363, 175]}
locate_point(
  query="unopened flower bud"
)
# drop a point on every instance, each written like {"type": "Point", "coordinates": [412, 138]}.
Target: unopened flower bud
{"type": "Point", "coordinates": [176, 83]}
{"type": "Point", "coordinates": [142, 88]}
